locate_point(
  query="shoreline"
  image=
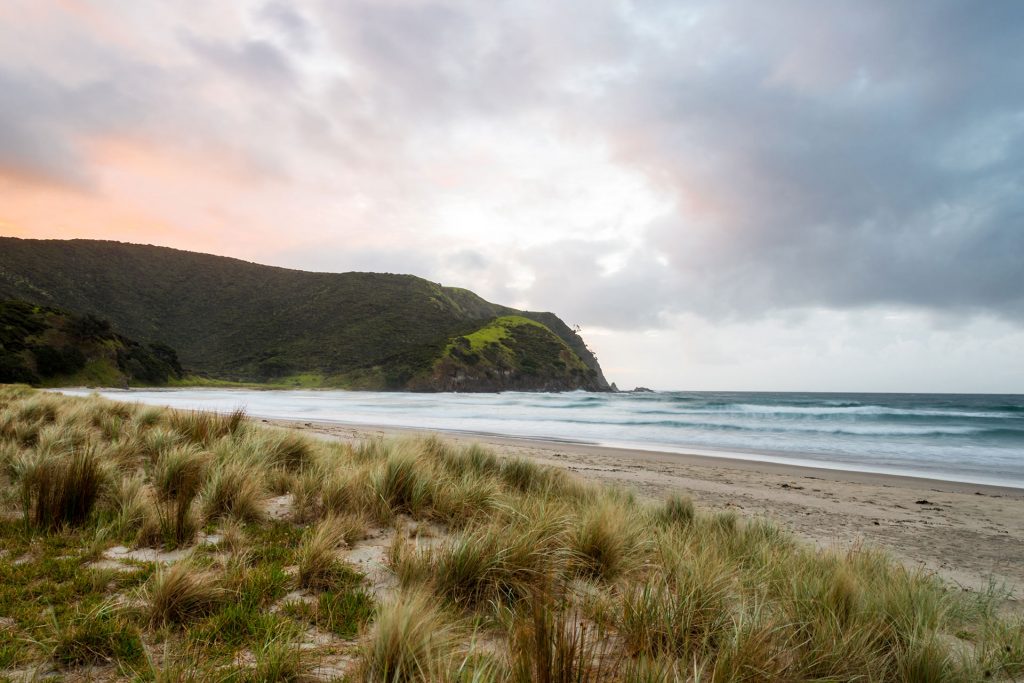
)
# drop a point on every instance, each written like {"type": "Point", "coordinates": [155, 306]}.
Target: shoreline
{"type": "Point", "coordinates": [934, 465]}
{"type": "Point", "coordinates": [970, 534]}
{"type": "Point", "coordinates": [694, 456]}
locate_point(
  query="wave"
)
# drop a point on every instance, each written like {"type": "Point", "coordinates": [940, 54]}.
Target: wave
{"type": "Point", "coordinates": [777, 428]}
{"type": "Point", "coordinates": [701, 405]}
{"type": "Point", "coordinates": [753, 410]}
{"type": "Point", "coordinates": [863, 410]}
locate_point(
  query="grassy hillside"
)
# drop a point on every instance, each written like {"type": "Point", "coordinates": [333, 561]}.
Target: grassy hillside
{"type": "Point", "coordinates": [509, 352]}
{"type": "Point", "coordinates": [139, 543]}
{"type": "Point", "coordinates": [50, 347]}
{"type": "Point", "coordinates": [234, 320]}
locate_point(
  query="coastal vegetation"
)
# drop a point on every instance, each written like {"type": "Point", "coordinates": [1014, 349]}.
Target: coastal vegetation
{"type": "Point", "coordinates": [150, 544]}
{"type": "Point", "coordinates": [235, 321]}
{"type": "Point", "coordinates": [46, 346]}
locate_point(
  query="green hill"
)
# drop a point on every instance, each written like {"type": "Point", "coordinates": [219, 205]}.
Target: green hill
{"type": "Point", "coordinates": [233, 320]}
{"type": "Point", "coordinates": [47, 346]}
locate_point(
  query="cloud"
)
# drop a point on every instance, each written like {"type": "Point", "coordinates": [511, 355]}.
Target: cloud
{"type": "Point", "coordinates": [620, 163]}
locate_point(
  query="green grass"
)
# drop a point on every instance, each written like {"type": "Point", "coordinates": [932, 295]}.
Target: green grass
{"type": "Point", "coordinates": [498, 570]}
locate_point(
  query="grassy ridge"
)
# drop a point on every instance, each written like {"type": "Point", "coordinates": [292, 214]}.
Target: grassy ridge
{"type": "Point", "coordinates": [509, 352]}
{"type": "Point", "coordinates": [239, 321]}
{"type": "Point", "coordinates": [493, 569]}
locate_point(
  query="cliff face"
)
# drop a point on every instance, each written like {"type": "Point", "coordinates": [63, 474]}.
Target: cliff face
{"type": "Point", "coordinates": [233, 320]}
{"type": "Point", "coordinates": [510, 353]}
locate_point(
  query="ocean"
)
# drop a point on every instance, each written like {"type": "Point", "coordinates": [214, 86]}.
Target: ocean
{"type": "Point", "coordinates": [967, 438]}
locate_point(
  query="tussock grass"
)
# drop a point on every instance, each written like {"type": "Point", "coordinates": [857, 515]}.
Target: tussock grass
{"type": "Point", "coordinates": [676, 509]}
{"type": "Point", "coordinates": [278, 658]}
{"type": "Point", "coordinates": [557, 646]}
{"type": "Point", "coordinates": [60, 489]}
{"type": "Point", "coordinates": [285, 449]}
{"type": "Point", "coordinates": [318, 557]}
{"type": "Point", "coordinates": [181, 594]}
{"type": "Point", "coordinates": [234, 490]}
{"type": "Point", "coordinates": [607, 541]}
{"type": "Point", "coordinates": [500, 562]}
{"type": "Point", "coordinates": [178, 477]}
{"type": "Point", "coordinates": [507, 571]}
{"type": "Point", "coordinates": [130, 502]}
{"type": "Point", "coordinates": [203, 428]}
{"type": "Point", "coordinates": [401, 483]}
{"type": "Point", "coordinates": [410, 640]}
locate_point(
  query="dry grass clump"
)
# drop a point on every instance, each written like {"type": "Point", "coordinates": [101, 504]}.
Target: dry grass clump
{"type": "Point", "coordinates": [410, 640]}
{"type": "Point", "coordinates": [130, 502]}
{"type": "Point", "coordinates": [287, 449]}
{"type": "Point", "coordinates": [203, 428]}
{"type": "Point", "coordinates": [499, 562]}
{"type": "Point", "coordinates": [318, 556]}
{"type": "Point", "coordinates": [234, 490]}
{"type": "Point", "coordinates": [402, 484]}
{"type": "Point", "coordinates": [676, 509]}
{"type": "Point", "coordinates": [607, 541]}
{"type": "Point", "coordinates": [556, 645]}
{"type": "Point", "coordinates": [182, 593]}
{"type": "Point", "coordinates": [60, 489]}
{"type": "Point", "coordinates": [178, 477]}
{"type": "Point", "coordinates": [686, 614]}
{"type": "Point", "coordinates": [159, 439]}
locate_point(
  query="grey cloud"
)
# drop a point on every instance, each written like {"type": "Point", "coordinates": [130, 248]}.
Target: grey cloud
{"type": "Point", "coordinates": [255, 61]}
{"type": "Point", "coordinates": [843, 154]}
{"type": "Point", "coordinates": [468, 260]}
{"type": "Point", "coordinates": [289, 21]}
{"type": "Point", "coordinates": [43, 122]}
{"type": "Point", "coordinates": [827, 187]}
{"type": "Point", "coordinates": [571, 281]}
{"type": "Point", "coordinates": [812, 147]}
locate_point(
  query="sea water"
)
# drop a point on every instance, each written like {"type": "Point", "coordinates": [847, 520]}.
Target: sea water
{"type": "Point", "coordinates": [968, 438]}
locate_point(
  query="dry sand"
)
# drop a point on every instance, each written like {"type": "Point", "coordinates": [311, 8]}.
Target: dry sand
{"type": "Point", "coordinates": [970, 534]}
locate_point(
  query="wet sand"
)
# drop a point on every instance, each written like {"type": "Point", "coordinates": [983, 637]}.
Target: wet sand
{"type": "Point", "coordinates": [968, 533]}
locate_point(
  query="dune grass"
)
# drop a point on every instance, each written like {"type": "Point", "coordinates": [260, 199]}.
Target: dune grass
{"type": "Point", "coordinates": [499, 570]}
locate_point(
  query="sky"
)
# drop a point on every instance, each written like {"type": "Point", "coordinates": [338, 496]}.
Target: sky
{"type": "Point", "coordinates": [724, 195]}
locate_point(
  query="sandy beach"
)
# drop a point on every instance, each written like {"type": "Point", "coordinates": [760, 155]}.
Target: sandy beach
{"type": "Point", "coordinates": [970, 534]}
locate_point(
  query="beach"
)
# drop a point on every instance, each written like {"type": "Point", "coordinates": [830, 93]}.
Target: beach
{"type": "Point", "coordinates": [970, 534]}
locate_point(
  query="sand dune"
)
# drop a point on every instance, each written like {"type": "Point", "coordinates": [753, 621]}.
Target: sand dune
{"type": "Point", "coordinates": [970, 534]}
